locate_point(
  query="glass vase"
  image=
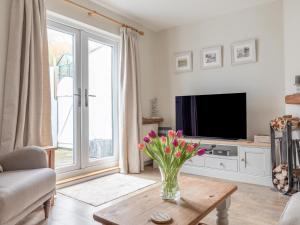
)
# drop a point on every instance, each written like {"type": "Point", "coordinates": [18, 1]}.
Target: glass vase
{"type": "Point", "coordinates": [169, 186]}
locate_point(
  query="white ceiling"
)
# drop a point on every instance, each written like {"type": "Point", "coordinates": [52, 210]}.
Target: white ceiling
{"type": "Point", "coordinates": [163, 14]}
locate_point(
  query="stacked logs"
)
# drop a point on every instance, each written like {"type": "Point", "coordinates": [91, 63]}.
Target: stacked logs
{"type": "Point", "coordinates": [280, 177]}
{"type": "Point", "coordinates": [279, 123]}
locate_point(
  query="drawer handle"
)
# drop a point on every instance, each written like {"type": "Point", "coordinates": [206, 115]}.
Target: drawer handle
{"type": "Point", "coordinates": [221, 164]}
{"type": "Point", "coordinates": [243, 160]}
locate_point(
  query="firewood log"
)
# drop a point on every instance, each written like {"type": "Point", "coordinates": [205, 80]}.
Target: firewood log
{"type": "Point", "coordinates": [284, 173]}
{"type": "Point", "coordinates": [278, 169]}
{"type": "Point", "coordinates": [279, 123]}
{"type": "Point", "coordinates": [295, 124]}
{"type": "Point", "coordinates": [286, 188]}
{"type": "Point", "coordinates": [284, 166]}
{"type": "Point", "coordinates": [283, 182]}
{"type": "Point", "coordinates": [279, 176]}
{"type": "Point", "coordinates": [275, 181]}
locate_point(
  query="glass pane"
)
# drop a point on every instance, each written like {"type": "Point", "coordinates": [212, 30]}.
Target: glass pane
{"type": "Point", "coordinates": [61, 58]}
{"type": "Point", "coordinates": [100, 100]}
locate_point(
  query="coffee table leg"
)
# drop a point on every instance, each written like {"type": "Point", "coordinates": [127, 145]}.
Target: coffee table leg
{"type": "Point", "coordinates": [222, 212]}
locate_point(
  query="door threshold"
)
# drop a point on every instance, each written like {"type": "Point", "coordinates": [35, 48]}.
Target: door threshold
{"type": "Point", "coordinates": [86, 177]}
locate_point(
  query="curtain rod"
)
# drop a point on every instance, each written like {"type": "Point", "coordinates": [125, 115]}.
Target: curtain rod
{"type": "Point", "coordinates": [94, 12]}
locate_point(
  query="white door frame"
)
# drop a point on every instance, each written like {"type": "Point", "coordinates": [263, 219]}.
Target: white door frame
{"type": "Point", "coordinates": [113, 160]}
{"type": "Point", "coordinates": [58, 22]}
{"type": "Point", "coordinates": [76, 92]}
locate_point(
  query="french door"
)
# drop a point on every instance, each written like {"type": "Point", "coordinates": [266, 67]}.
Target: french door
{"type": "Point", "coordinates": [84, 84]}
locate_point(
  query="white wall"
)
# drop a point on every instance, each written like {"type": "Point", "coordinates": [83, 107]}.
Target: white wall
{"type": "Point", "coordinates": [4, 27]}
{"type": "Point", "coordinates": [291, 49]}
{"type": "Point", "coordinates": [263, 81]}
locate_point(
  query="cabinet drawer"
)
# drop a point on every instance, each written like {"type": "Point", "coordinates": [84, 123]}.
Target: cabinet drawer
{"type": "Point", "coordinates": [222, 164]}
{"type": "Point", "coordinates": [195, 161]}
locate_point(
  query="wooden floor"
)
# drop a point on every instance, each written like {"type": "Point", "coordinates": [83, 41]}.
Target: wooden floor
{"type": "Point", "coordinates": [251, 205]}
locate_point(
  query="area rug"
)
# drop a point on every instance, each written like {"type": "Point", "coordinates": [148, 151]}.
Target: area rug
{"type": "Point", "coordinates": [102, 190]}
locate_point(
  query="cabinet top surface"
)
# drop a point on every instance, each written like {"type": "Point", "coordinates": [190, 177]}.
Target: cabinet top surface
{"type": "Point", "coordinates": [244, 143]}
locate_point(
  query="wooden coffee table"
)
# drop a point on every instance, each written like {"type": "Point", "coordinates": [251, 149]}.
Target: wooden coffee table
{"type": "Point", "coordinates": [198, 198]}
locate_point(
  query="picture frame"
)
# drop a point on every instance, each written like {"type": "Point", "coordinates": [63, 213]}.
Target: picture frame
{"type": "Point", "coordinates": [183, 62]}
{"type": "Point", "coordinates": [243, 52]}
{"type": "Point", "coordinates": [212, 57]}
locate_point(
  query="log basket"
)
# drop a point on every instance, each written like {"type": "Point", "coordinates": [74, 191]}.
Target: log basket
{"type": "Point", "coordinates": [284, 154]}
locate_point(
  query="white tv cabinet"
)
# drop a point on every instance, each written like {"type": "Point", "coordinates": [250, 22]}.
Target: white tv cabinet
{"type": "Point", "coordinates": [251, 165]}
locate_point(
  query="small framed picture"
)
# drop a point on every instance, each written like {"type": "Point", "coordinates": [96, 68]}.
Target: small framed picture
{"type": "Point", "coordinates": [243, 52]}
{"type": "Point", "coordinates": [212, 57]}
{"type": "Point", "coordinates": [183, 62]}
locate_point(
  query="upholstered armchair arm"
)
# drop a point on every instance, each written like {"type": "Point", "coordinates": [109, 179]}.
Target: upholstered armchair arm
{"type": "Point", "coordinates": [31, 157]}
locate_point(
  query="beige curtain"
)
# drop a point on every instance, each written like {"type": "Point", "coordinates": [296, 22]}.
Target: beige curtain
{"type": "Point", "coordinates": [130, 128]}
{"type": "Point", "coordinates": [26, 116]}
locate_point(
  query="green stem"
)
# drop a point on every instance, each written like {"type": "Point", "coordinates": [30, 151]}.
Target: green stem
{"type": "Point", "coordinates": [169, 182]}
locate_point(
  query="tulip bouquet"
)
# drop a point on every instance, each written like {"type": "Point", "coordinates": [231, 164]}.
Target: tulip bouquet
{"type": "Point", "coordinates": [170, 153]}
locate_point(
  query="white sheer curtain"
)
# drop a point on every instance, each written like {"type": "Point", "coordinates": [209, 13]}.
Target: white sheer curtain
{"type": "Point", "coordinates": [131, 118]}
{"type": "Point", "coordinates": [26, 118]}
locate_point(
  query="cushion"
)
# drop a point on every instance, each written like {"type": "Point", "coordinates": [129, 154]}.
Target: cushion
{"type": "Point", "coordinates": [290, 215]}
{"type": "Point", "coordinates": [22, 188]}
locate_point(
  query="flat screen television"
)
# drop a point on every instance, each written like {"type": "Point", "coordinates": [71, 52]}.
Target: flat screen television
{"type": "Point", "coordinates": [216, 115]}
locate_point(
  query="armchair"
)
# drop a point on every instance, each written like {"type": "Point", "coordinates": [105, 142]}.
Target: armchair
{"type": "Point", "coordinates": [25, 184]}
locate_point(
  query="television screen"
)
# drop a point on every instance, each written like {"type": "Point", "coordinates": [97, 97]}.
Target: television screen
{"type": "Point", "coordinates": [217, 115]}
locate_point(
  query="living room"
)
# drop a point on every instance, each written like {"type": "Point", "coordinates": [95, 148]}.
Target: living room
{"type": "Point", "coordinates": [149, 112]}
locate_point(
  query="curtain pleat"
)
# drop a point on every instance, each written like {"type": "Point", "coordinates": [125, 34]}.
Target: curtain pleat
{"type": "Point", "coordinates": [26, 116]}
{"type": "Point", "coordinates": [131, 118]}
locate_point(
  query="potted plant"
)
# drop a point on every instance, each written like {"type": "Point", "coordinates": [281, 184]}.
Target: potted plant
{"type": "Point", "coordinates": [170, 153]}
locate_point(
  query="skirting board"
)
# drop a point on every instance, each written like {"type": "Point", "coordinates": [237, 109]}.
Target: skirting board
{"type": "Point", "coordinates": [234, 176]}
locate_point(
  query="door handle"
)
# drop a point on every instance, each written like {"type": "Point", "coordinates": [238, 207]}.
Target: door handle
{"type": "Point", "coordinates": [86, 97]}
{"type": "Point", "coordinates": [244, 159]}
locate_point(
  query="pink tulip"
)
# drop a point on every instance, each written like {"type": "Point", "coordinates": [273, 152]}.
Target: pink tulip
{"type": "Point", "coordinates": [190, 148]}
{"type": "Point", "coordinates": [178, 154]}
{"type": "Point", "coordinates": [146, 139]}
{"type": "Point", "coordinates": [179, 133]}
{"type": "Point", "coordinates": [168, 150]}
{"type": "Point", "coordinates": [171, 133]}
{"type": "Point", "coordinates": [163, 139]}
{"type": "Point", "coordinates": [175, 143]}
{"type": "Point", "coordinates": [141, 146]}
{"type": "Point", "coordinates": [182, 143]}
{"type": "Point", "coordinates": [201, 151]}
{"type": "Point", "coordinates": [152, 134]}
